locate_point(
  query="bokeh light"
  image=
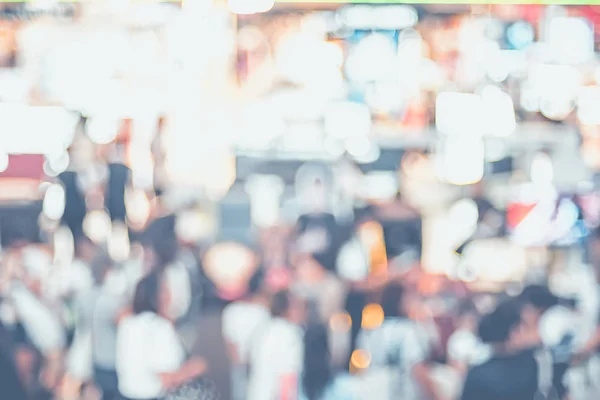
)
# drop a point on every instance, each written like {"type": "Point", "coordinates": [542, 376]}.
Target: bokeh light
{"type": "Point", "coordinates": [372, 316]}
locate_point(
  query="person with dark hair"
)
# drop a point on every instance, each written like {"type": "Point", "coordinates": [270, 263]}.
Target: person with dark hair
{"type": "Point", "coordinates": [11, 384]}
{"type": "Point", "coordinates": [116, 184]}
{"type": "Point", "coordinates": [397, 348]}
{"type": "Point", "coordinates": [516, 370]}
{"type": "Point", "coordinates": [276, 357]}
{"type": "Point", "coordinates": [241, 321]}
{"type": "Point", "coordinates": [318, 381]}
{"type": "Point", "coordinates": [150, 356]}
{"type": "Point", "coordinates": [538, 304]}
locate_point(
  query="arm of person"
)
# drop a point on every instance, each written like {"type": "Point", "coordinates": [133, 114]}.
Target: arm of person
{"type": "Point", "coordinates": [168, 359]}
{"type": "Point", "coordinates": [191, 369]}
{"type": "Point", "coordinates": [233, 352]}
{"type": "Point", "coordinates": [291, 367]}
{"type": "Point", "coordinates": [423, 376]}
{"type": "Point", "coordinates": [41, 324]}
{"type": "Point", "coordinates": [592, 344]}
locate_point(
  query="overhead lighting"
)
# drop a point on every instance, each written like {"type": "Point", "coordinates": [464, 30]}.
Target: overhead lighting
{"type": "Point", "coordinates": [571, 39]}
{"type": "Point", "coordinates": [587, 105]}
{"type": "Point", "coordinates": [499, 111]}
{"type": "Point", "coordinates": [4, 159]}
{"type": "Point", "coordinates": [56, 165]}
{"type": "Point", "coordinates": [54, 202]}
{"type": "Point", "coordinates": [102, 130]}
{"type": "Point", "coordinates": [461, 161]}
{"type": "Point", "coordinates": [347, 119]}
{"type": "Point", "coordinates": [552, 90]}
{"type": "Point", "coordinates": [35, 130]}
{"type": "Point", "coordinates": [390, 17]}
{"type": "Point", "coordinates": [459, 114]}
{"type": "Point", "coordinates": [373, 58]}
{"type": "Point", "coordinates": [247, 7]}
{"type": "Point", "coordinates": [97, 226]}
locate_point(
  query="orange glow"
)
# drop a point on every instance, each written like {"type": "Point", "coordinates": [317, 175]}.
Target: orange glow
{"type": "Point", "coordinates": [372, 316]}
{"type": "Point", "coordinates": [371, 236]}
{"type": "Point", "coordinates": [360, 360]}
{"type": "Point", "coordinates": [340, 322]}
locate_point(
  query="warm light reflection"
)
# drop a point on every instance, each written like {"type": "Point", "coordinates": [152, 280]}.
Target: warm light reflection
{"type": "Point", "coordinates": [97, 226]}
{"type": "Point", "coordinates": [370, 235]}
{"type": "Point", "coordinates": [229, 266]}
{"type": "Point", "coordinates": [360, 360]}
{"type": "Point", "coordinates": [194, 225]}
{"type": "Point", "coordinates": [372, 316]}
{"type": "Point", "coordinates": [138, 208]}
{"type": "Point", "coordinates": [340, 323]}
{"type": "Point", "coordinates": [118, 242]}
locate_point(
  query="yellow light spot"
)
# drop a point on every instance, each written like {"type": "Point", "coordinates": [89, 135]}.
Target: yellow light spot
{"type": "Point", "coordinates": [372, 316]}
{"type": "Point", "coordinates": [340, 322]}
{"type": "Point", "coordinates": [360, 360]}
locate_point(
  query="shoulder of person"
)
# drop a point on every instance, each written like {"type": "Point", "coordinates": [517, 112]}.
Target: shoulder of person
{"type": "Point", "coordinates": [286, 332]}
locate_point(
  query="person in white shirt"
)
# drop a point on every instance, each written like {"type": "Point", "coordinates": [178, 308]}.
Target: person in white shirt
{"type": "Point", "coordinates": [397, 349]}
{"type": "Point", "coordinates": [277, 354]}
{"type": "Point", "coordinates": [150, 357]}
{"type": "Point", "coordinates": [241, 322]}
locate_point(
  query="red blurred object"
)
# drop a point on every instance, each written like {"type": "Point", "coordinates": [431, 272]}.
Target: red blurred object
{"type": "Point", "coordinates": [25, 166]}
{"type": "Point", "coordinates": [516, 213]}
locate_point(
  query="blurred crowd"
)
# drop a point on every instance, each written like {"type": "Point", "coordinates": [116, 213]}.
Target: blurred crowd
{"type": "Point", "coordinates": [96, 328]}
{"type": "Point", "coordinates": [413, 214]}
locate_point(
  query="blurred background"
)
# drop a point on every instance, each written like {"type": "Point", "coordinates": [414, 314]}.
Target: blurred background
{"type": "Point", "coordinates": [460, 142]}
